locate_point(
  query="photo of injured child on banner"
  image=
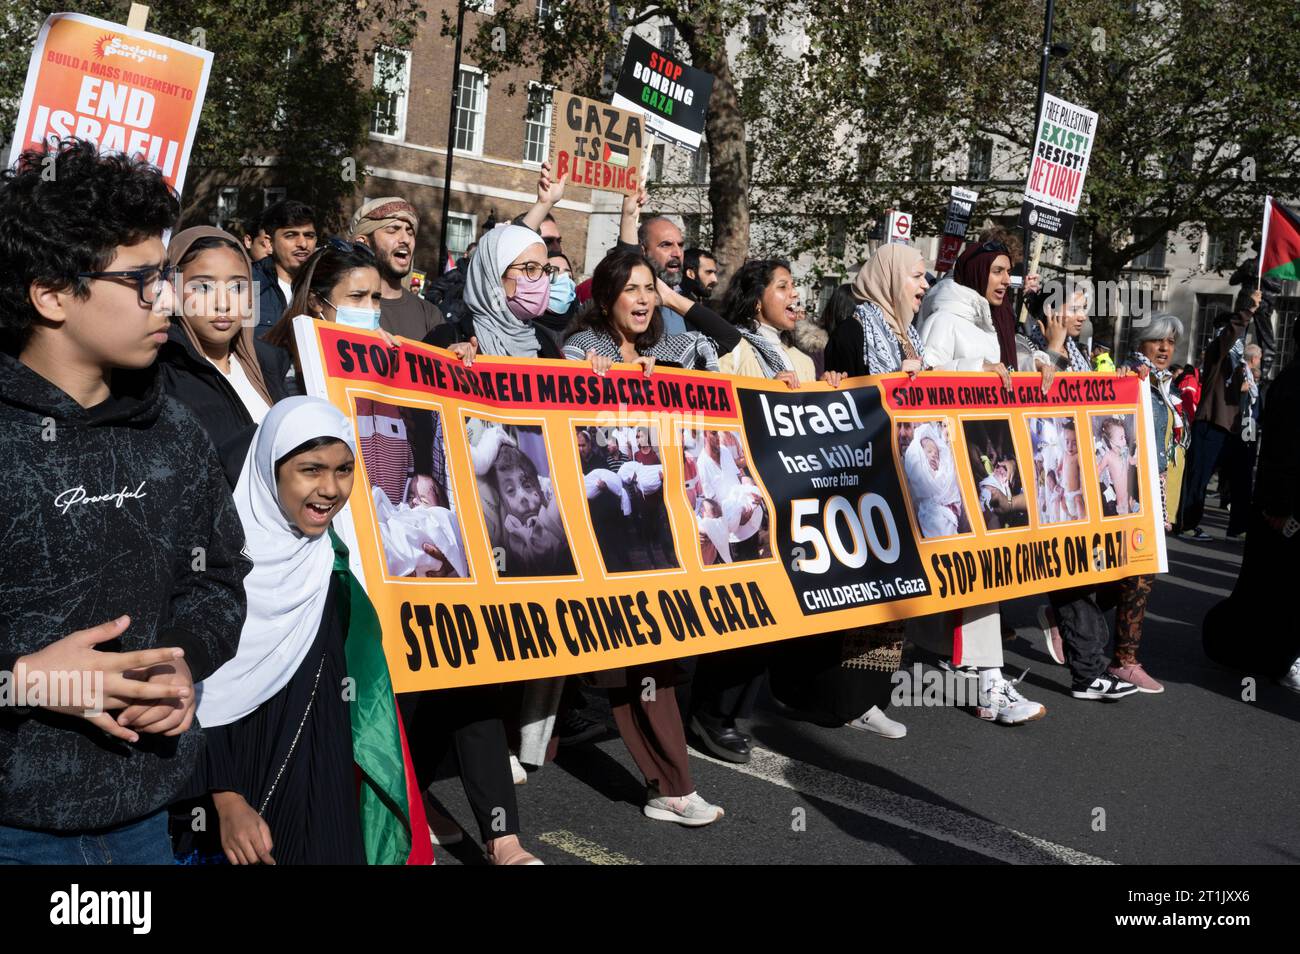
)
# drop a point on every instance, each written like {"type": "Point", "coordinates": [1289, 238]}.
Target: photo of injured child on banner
{"type": "Point", "coordinates": [520, 508]}
{"type": "Point", "coordinates": [405, 458]}
{"type": "Point", "coordinates": [729, 510]}
{"type": "Point", "coordinates": [624, 476]}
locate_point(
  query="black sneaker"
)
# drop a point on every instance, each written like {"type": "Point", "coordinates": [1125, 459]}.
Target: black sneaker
{"type": "Point", "coordinates": [572, 729]}
{"type": "Point", "coordinates": [1199, 535]}
{"type": "Point", "coordinates": [1105, 688]}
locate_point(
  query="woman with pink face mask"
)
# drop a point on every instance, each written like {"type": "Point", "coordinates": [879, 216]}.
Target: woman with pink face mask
{"type": "Point", "coordinates": [507, 289]}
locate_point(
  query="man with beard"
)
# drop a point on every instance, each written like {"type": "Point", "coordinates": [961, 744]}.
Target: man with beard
{"type": "Point", "coordinates": [660, 240]}
{"type": "Point", "coordinates": [388, 226]}
{"type": "Point", "coordinates": [699, 274]}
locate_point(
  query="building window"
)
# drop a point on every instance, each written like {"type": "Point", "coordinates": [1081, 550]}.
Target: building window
{"type": "Point", "coordinates": [544, 8]}
{"type": "Point", "coordinates": [273, 194]}
{"type": "Point", "coordinates": [869, 160]}
{"type": "Point", "coordinates": [980, 160]}
{"type": "Point", "coordinates": [835, 240]}
{"type": "Point", "coordinates": [460, 233]}
{"type": "Point", "coordinates": [1287, 311]}
{"type": "Point", "coordinates": [1223, 251]}
{"type": "Point", "coordinates": [758, 25]}
{"type": "Point", "coordinates": [1077, 252]}
{"type": "Point", "coordinates": [471, 105]}
{"type": "Point", "coordinates": [923, 162]}
{"type": "Point", "coordinates": [700, 164]}
{"type": "Point", "coordinates": [227, 206]}
{"type": "Point", "coordinates": [1154, 258]}
{"type": "Point", "coordinates": [537, 124]}
{"type": "Point", "coordinates": [668, 40]}
{"type": "Point", "coordinates": [392, 83]}
{"type": "Point", "coordinates": [691, 229]}
{"type": "Point", "coordinates": [481, 6]}
{"type": "Point", "coordinates": [751, 159]}
{"type": "Point", "coordinates": [1208, 310]}
{"type": "Point", "coordinates": [656, 171]}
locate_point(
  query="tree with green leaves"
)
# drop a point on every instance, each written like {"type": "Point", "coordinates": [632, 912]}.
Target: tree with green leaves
{"type": "Point", "coordinates": [1198, 103]}
{"type": "Point", "coordinates": [291, 84]}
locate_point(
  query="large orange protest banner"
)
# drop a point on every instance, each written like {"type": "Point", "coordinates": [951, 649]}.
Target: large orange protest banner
{"type": "Point", "coordinates": [527, 518]}
{"type": "Point", "coordinates": [126, 90]}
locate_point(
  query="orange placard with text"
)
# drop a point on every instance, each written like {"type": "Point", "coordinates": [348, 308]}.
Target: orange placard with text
{"type": "Point", "coordinates": [126, 90]}
{"type": "Point", "coordinates": [520, 519]}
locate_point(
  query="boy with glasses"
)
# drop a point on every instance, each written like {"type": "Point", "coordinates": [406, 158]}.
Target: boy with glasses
{"type": "Point", "coordinates": [122, 561]}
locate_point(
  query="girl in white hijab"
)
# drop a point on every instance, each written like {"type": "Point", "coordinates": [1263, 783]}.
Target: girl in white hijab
{"type": "Point", "coordinates": [283, 743]}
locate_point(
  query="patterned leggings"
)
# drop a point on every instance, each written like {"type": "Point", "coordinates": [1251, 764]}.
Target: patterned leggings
{"type": "Point", "coordinates": [1130, 611]}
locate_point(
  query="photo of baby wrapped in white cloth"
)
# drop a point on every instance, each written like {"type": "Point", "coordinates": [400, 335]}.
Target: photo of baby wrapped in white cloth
{"type": "Point", "coordinates": [405, 459]}
{"type": "Point", "coordinates": [930, 468]}
{"type": "Point", "coordinates": [520, 509]}
{"type": "Point", "coordinates": [1058, 476]}
{"type": "Point", "coordinates": [624, 478]}
{"type": "Point", "coordinates": [729, 510]}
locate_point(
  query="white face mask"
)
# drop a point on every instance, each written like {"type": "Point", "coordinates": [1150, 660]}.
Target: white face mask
{"type": "Point", "coordinates": [362, 318]}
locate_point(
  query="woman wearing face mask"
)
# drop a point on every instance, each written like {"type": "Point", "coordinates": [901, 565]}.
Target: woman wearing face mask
{"type": "Point", "coordinates": [562, 304]}
{"type": "Point", "coordinates": [882, 338]}
{"type": "Point", "coordinates": [285, 750]}
{"type": "Point", "coordinates": [960, 335]}
{"type": "Point", "coordinates": [507, 289]}
{"type": "Point", "coordinates": [339, 283]}
{"type": "Point", "coordinates": [212, 361]}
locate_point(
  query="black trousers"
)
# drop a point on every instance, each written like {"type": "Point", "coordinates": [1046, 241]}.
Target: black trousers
{"type": "Point", "coordinates": [1240, 465]}
{"type": "Point", "coordinates": [1202, 457]}
{"type": "Point", "coordinates": [1081, 617]}
{"type": "Point", "coordinates": [466, 722]}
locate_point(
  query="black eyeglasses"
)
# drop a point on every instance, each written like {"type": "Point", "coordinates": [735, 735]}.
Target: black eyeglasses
{"type": "Point", "coordinates": [342, 245]}
{"type": "Point", "coordinates": [149, 281]}
{"type": "Point", "coordinates": [532, 271]}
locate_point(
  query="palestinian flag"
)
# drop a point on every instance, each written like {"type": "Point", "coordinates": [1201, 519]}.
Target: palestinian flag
{"type": "Point", "coordinates": [1280, 254]}
{"type": "Point", "coordinates": [616, 155]}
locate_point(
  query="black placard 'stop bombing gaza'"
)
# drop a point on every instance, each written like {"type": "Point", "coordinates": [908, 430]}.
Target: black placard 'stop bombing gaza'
{"type": "Point", "coordinates": [661, 90]}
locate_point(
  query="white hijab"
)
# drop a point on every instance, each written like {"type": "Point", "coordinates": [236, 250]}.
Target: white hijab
{"type": "Point", "coordinates": [498, 331]}
{"type": "Point", "coordinates": [289, 582]}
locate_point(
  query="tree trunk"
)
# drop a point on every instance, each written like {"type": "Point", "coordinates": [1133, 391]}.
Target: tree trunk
{"type": "Point", "coordinates": [728, 164]}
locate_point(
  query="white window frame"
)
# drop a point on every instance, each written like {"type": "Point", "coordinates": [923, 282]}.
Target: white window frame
{"type": "Point", "coordinates": [544, 8]}
{"type": "Point", "coordinates": [227, 209]}
{"type": "Point", "coordinates": [382, 84]}
{"type": "Point", "coordinates": [273, 194]}
{"type": "Point", "coordinates": [545, 123]}
{"type": "Point", "coordinates": [480, 132]}
{"type": "Point", "coordinates": [473, 231]}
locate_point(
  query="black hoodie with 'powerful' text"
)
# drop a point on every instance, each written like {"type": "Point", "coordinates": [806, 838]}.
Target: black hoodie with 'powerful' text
{"type": "Point", "coordinates": [117, 509]}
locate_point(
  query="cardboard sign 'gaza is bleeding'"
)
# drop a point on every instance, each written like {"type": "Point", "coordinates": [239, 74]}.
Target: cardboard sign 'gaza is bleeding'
{"type": "Point", "coordinates": [596, 145]}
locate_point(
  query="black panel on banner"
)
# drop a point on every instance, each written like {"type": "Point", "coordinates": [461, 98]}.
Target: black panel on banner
{"type": "Point", "coordinates": [809, 450]}
{"type": "Point", "coordinates": [1045, 219]}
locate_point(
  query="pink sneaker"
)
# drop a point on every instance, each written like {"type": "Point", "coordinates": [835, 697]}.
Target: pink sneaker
{"type": "Point", "coordinates": [1135, 674]}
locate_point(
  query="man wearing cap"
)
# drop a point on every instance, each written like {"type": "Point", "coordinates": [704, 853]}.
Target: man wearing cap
{"type": "Point", "coordinates": [388, 225]}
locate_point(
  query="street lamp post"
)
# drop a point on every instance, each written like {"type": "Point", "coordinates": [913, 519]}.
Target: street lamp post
{"type": "Point", "coordinates": [451, 139]}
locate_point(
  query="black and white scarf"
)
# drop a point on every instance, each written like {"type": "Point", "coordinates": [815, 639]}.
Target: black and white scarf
{"type": "Point", "coordinates": [770, 356]}
{"type": "Point", "coordinates": [691, 350]}
{"type": "Point", "coordinates": [1160, 380]}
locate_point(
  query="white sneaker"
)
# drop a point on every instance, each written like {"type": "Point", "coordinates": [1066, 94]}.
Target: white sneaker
{"type": "Point", "coordinates": [873, 720]}
{"type": "Point", "coordinates": [1292, 679]}
{"type": "Point", "coordinates": [1000, 701]}
{"type": "Point", "coordinates": [689, 810]}
{"type": "Point", "coordinates": [517, 771]}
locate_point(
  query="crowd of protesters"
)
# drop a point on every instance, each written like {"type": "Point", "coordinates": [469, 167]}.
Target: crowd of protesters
{"type": "Point", "coordinates": [166, 469]}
